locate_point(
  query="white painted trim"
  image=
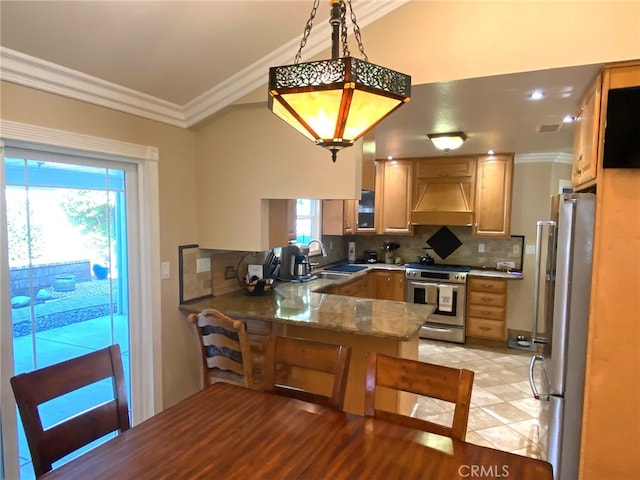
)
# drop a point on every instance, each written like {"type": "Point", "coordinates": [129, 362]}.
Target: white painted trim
{"type": "Point", "coordinates": [42, 75]}
{"type": "Point", "coordinates": [551, 157]}
{"type": "Point", "coordinates": [32, 72]}
{"type": "Point", "coordinates": [146, 364]}
{"type": "Point", "coordinates": [9, 467]}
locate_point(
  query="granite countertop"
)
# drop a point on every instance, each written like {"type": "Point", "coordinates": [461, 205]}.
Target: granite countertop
{"type": "Point", "coordinates": [476, 272]}
{"type": "Point", "coordinates": [303, 304]}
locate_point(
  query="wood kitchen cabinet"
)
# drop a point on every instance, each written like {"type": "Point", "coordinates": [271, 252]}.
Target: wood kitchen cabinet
{"type": "Point", "coordinates": [487, 308]}
{"type": "Point", "coordinates": [586, 142]}
{"type": "Point", "coordinates": [389, 284]}
{"type": "Point", "coordinates": [492, 204]}
{"type": "Point", "coordinates": [282, 222]}
{"type": "Point", "coordinates": [359, 287]}
{"type": "Point", "coordinates": [338, 217]}
{"type": "Point", "coordinates": [396, 184]}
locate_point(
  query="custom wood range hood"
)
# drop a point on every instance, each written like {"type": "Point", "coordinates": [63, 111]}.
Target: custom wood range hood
{"type": "Point", "coordinates": [443, 203]}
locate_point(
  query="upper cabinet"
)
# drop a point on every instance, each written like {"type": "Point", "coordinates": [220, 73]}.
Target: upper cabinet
{"type": "Point", "coordinates": [585, 145]}
{"type": "Point", "coordinates": [338, 217]}
{"type": "Point", "coordinates": [282, 222]}
{"type": "Point", "coordinates": [395, 184]}
{"type": "Point", "coordinates": [492, 204]}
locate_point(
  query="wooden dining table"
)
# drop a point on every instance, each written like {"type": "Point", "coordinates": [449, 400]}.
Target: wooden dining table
{"type": "Point", "coordinates": [226, 431]}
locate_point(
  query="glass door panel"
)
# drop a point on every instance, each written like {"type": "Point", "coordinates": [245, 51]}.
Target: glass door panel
{"type": "Point", "coordinates": [67, 245]}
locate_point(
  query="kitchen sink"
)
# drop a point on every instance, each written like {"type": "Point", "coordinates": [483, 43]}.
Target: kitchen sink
{"type": "Point", "coordinates": [332, 275]}
{"type": "Point", "coordinates": [346, 268]}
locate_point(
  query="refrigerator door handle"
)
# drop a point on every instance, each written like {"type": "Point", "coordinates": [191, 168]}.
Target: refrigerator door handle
{"type": "Point", "coordinates": [536, 286]}
{"type": "Point", "coordinates": [537, 395]}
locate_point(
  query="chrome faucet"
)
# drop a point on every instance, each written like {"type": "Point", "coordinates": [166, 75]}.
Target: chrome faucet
{"type": "Point", "coordinates": [322, 250]}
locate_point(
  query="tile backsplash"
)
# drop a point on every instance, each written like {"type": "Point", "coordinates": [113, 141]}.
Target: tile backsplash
{"type": "Point", "coordinates": [228, 266]}
{"type": "Point", "coordinates": [193, 284]}
{"type": "Point", "coordinates": [495, 249]}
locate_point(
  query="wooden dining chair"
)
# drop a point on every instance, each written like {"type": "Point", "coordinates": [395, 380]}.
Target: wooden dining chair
{"type": "Point", "coordinates": [39, 386]}
{"type": "Point", "coordinates": [225, 352]}
{"type": "Point", "coordinates": [312, 371]}
{"type": "Point", "coordinates": [435, 381]}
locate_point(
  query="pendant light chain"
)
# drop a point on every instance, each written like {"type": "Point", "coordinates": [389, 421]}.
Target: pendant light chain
{"type": "Point", "coordinates": [307, 31]}
{"type": "Point", "coordinates": [356, 32]}
{"type": "Point", "coordinates": [343, 30]}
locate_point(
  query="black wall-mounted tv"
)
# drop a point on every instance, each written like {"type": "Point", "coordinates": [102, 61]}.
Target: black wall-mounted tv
{"type": "Point", "coordinates": [622, 131]}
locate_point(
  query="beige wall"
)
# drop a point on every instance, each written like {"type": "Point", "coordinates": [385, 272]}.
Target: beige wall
{"type": "Point", "coordinates": [437, 41]}
{"type": "Point", "coordinates": [248, 154]}
{"type": "Point", "coordinates": [533, 185]}
{"type": "Point", "coordinates": [177, 202]}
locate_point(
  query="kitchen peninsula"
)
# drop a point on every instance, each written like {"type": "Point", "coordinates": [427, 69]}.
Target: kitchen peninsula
{"type": "Point", "coordinates": [303, 310]}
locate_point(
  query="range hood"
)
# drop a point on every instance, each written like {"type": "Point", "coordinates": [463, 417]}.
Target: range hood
{"type": "Point", "coordinates": [447, 203]}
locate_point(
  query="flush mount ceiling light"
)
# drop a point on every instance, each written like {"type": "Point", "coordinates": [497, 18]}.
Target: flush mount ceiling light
{"type": "Point", "coordinates": [447, 141]}
{"type": "Point", "coordinates": [334, 102]}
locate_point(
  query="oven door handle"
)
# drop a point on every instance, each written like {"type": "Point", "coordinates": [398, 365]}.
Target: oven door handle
{"type": "Point", "coordinates": [413, 283]}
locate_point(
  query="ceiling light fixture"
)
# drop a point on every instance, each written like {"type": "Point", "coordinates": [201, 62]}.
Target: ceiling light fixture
{"type": "Point", "coordinates": [447, 141]}
{"type": "Point", "coordinates": [536, 95]}
{"type": "Point", "coordinates": [334, 102]}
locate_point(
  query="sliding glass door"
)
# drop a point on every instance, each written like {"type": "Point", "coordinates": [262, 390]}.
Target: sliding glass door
{"type": "Point", "coordinates": [68, 275]}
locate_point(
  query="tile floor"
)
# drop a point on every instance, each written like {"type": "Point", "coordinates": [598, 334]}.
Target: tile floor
{"type": "Point", "coordinates": [503, 414]}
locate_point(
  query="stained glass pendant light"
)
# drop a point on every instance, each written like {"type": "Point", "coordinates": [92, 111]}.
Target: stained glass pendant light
{"type": "Point", "coordinates": [334, 102]}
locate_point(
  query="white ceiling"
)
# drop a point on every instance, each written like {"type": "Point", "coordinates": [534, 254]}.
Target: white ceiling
{"type": "Point", "coordinates": [185, 60]}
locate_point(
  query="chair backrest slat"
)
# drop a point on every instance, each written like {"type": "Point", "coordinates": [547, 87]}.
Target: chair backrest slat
{"type": "Point", "coordinates": [426, 379]}
{"type": "Point", "coordinates": [283, 353]}
{"type": "Point", "coordinates": [34, 388]}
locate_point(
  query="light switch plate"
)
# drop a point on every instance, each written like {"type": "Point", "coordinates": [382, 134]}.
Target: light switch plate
{"type": "Point", "coordinates": [530, 249]}
{"type": "Point", "coordinates": [165, 270]}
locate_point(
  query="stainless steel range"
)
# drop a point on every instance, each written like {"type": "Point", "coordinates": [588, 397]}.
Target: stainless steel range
{"type": "Point", "coordinates": [444, 287]}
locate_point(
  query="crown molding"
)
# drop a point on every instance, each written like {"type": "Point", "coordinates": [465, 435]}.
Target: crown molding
{"type": "Point", "coordinates": [32, 72]}
{"type": "Point", "coordinates": [551, 157]}
{"type": "Point", "coordinates": [39, 74]}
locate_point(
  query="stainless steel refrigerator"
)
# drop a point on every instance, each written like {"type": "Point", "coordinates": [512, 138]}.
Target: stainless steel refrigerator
{"type": "Point", "coordinates": [560, 324]}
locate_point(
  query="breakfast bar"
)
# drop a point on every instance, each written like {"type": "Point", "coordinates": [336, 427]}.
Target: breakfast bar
{"type": "Point", "coordinates": [303, 310]}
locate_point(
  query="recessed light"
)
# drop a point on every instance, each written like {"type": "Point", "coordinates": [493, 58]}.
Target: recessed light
{"type": "Point", "coordinates": [490, 152]}
{"type": "Point", "coordinates": [389, 157]}
{"type": "Point", "coordinates": [568, 119]}
{"type": "Point", "coordinates": [536, 95]}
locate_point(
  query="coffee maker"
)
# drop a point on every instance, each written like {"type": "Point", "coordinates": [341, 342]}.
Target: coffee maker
{"type": "Point", "coordinates": [295, 266]}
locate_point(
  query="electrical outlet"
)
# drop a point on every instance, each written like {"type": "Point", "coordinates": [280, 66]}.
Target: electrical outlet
{"type": "Point", "coordinates": [229, 272]}
{"type": "Point", "coordinates": [516, 249]}
{"type": "Point", "coordinates": [481, 248]}
{"type": "Point", "coordinates": [530, 249]}
{"type": "Point", "coordinates": [203, 265]}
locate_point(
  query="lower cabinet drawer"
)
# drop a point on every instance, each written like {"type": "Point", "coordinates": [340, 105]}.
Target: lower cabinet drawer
{"type": "Point", "coordinates": [494, 285]}
{"type": "Point", "coordinates": [486, 311]}
{"type": "Point", "coordinates": [486, 298]}
{"type": "Point", "coordinates": [483, 328]}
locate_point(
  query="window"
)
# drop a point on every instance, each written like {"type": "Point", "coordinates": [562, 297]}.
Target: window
{"type": "Point", "coordinates": [309, 223]}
